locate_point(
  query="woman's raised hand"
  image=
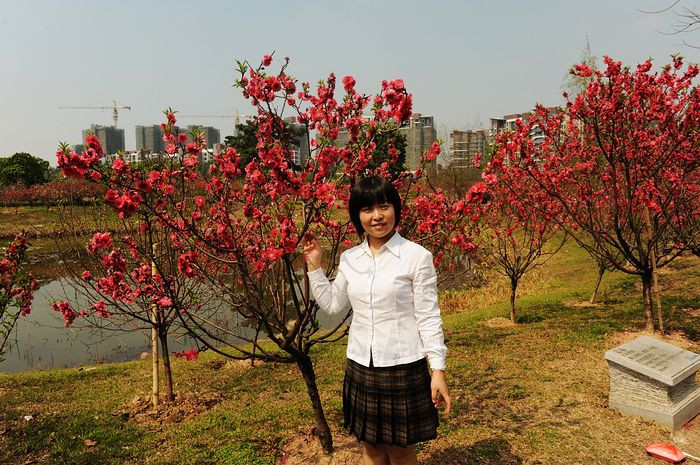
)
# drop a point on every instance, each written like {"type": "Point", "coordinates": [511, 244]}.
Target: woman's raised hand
{"type": "Point", "coordinates": [312, 252]}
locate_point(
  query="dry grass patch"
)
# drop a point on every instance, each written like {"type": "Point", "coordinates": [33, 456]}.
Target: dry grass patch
{"type": "Point", "coordinates": [677, 338]}
{"type": "Point", "coordinates": [581, 303]}
{"type": "Point", "coordinates": [499, 322]}
{"type": "Point", "coordinates": [304, 448]}
{"type": "Point", "coordinates": [185, 406]}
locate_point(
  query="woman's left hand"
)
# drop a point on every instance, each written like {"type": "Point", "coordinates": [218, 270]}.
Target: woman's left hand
{"type": "Point", "coordinates": [440, 391]}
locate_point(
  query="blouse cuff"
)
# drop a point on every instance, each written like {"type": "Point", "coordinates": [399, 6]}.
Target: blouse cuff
{"type": "Point", "coordinates": [316, 274]}
{"type": "Point", "coordinates": [437, 363]}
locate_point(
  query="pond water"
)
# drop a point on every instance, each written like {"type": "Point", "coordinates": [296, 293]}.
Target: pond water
{"type": "Point", "coordinates": [40, 341]}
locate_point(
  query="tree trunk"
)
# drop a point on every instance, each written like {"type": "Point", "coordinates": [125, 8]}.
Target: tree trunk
{"type": "Point", "coordinates": [655, 281]}
{"type": "Point", "coordinates": [169, 395]}
{"type": "Point", "coordinates": [646, 291]}
{"type": "Point", "coordinates": [154, 364]}
{"type": "Point", "coordinates": [513, 288]}
{"type": "Point", "coordinates": [154, 343]}
{"type": "Point", "coordinates": [601, 271]}
{"type": "Point", "coordinates": [657, 293]}
{"type": "Point", "coordinates": [324, 432]}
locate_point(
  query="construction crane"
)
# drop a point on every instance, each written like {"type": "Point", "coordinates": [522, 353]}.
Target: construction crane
{"type": "Point", "coordinates": [114, 108]}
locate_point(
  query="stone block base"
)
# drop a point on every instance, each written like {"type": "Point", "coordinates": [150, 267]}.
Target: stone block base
{"type": "Point", "coordinates": [671, 420]}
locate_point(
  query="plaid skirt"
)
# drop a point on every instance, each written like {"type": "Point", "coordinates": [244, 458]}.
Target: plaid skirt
{"type": "Point", "coordinates": [389, 405]}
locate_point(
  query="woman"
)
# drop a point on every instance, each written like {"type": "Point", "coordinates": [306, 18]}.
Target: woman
{"type": "Point", "coordinates": [390, 400]}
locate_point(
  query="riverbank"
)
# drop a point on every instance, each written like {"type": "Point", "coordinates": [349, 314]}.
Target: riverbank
{"type": "Point", "coordinates": [534, 393]}
{"type": "Point", "coordinates": [53, 221]}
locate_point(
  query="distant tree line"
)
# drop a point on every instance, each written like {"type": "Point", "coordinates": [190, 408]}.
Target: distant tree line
{"type": "Point", "coordinates": [29, 180]}
{"type": "Point", "coordinates": [23, 168]}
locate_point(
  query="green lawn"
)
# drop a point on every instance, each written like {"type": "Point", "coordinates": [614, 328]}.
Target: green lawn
{"type": "Point", "coordinates": [45, 222]}
{"type": "Point", "coordinates": [534, 393]}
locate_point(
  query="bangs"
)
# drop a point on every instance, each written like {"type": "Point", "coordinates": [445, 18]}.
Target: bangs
{"type": "Point", "coordinates": [374, 195]}
{"type": "Point", "coordinates": [371, 191]}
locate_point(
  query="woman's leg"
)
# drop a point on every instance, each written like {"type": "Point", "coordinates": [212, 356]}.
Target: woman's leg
{"type": "Point", "coordinates": [402, 455]}
{"type": "Point", "coordinates": [374, 454]}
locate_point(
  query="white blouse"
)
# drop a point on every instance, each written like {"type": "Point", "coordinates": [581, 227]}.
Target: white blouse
{"type": "Point", "coordinates": [393, 295]}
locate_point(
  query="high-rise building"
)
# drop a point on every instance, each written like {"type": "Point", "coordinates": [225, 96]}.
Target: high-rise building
{"type": "Point", "coordinates": [508, 123]}
{"type": "Point", "coordinates": [465, 145]}
{"type": "Point", "coordinates": [111, 138]}
{"type": "Point", "coordinates": [149, 138]}
{"type": "Point", "coordinates": [211, 135]}
{"type": "Point", "coordinates": [419, 132]}
{"type": "Point", "coordinates": [300, 151]}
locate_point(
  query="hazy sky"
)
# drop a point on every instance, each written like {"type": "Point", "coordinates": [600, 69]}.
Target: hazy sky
{"type": "Point", "coordinates": [464, 61]}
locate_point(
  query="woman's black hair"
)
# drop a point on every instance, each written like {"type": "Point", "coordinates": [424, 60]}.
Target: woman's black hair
{"type": "Point", "coordinates": [368, 192]}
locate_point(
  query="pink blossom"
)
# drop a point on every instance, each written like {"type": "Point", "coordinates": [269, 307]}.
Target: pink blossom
{"type": "Point", "coordinates": [68, 313]}
{"type": "Point", "coordinates": [349, 84]}
{"type": "Point", "coordinates": [185, 263]}
{"type": "Point", "coordinates": [189, 354]}
{"type": "Point", "coordinates": [101, 309]}
{"type": "Point", "coordinates": [99, 242]}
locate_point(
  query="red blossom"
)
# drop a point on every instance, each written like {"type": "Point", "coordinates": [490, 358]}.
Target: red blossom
{"type": "Point", "coordinates": [16, 286]}
{"type": "Point", "coordinates": [189, 354]}
{"type": "Point", "coordinates": [185, 263]}
{"type": "Point", "coordinates": [99, 242]}
{"type": "Point", "coordinates": [67, 311]}
{"type": "Point", "coordinates": [192, 148]}
{"type": "Point", "coordinates": [126, 203]}
{"type": "Point", "coordinates": [101, 309]}
{"type": "Point", "coordinates": [349, 84]}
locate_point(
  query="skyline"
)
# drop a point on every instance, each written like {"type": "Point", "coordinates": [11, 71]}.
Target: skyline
{"type": "Point", "coordinates": [464, 62]}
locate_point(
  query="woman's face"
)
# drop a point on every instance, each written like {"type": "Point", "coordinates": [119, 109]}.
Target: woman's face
{"type": "Point", "coordinates": [378, 220]}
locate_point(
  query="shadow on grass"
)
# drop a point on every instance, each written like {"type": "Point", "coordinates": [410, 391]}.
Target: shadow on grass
{"type": "Point", "coordinates": [242, 452]}
{"type": "Point", "coordinates": [496, 451]}
{"type": "Point", "coordinates": [682, 314]}
{"type": "Point", "coordinates": [69, 439]}
{"type": "Point", "coordinates": [496, 397]}
{"type": "Point", "coordinates": [524, 319]}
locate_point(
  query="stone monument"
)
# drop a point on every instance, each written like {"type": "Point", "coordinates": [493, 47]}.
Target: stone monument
{"type": "Point", "coordinates": [654, 380]}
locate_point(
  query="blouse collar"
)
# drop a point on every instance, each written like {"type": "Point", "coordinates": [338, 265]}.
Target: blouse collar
{"type": "Point", "coordinates": [393, 245]}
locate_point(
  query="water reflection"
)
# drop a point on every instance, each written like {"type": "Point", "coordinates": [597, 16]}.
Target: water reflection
{"type": "Point", "coordinates": [40, 341]}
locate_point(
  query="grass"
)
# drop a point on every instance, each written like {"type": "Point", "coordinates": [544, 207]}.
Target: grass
{"type": "Point", "coordinates": [47, 222]}
{"type": "Point", "coordinates": [533, 393]}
